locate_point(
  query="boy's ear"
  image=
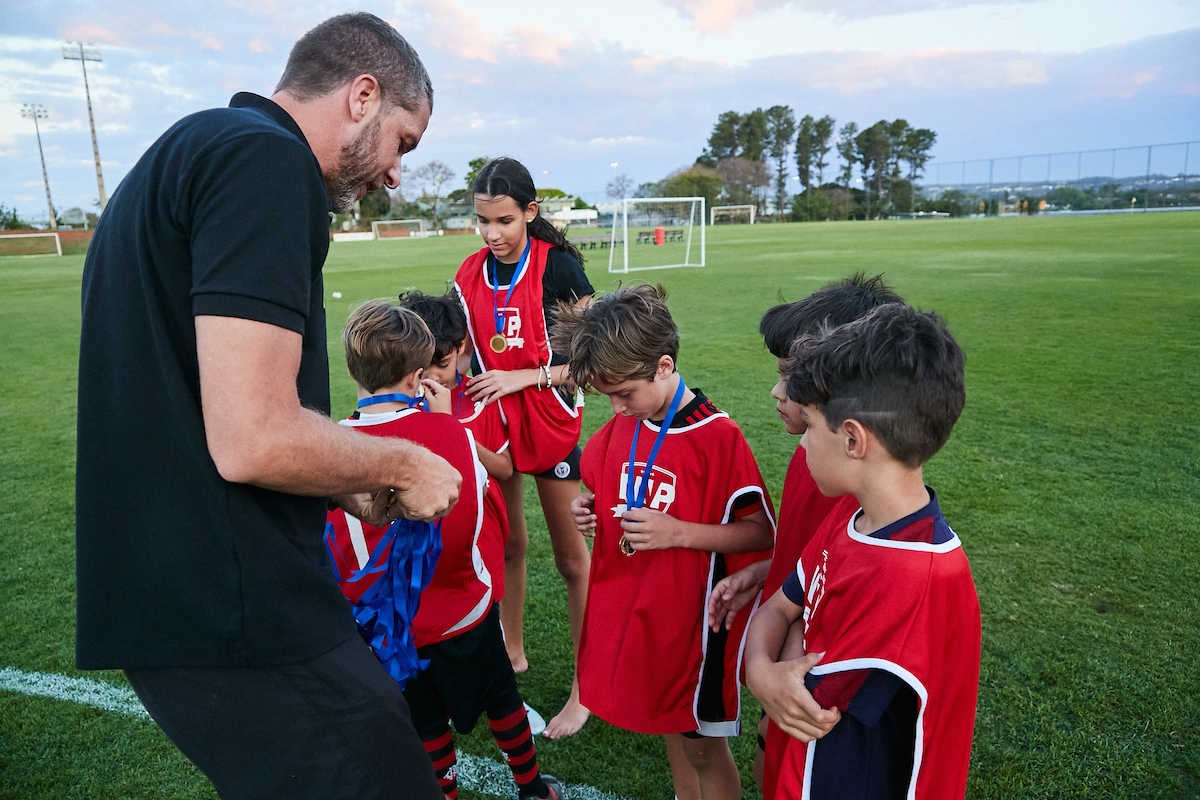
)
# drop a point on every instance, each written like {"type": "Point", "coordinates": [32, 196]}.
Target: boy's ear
{"type": "Point", "coordinates": [665, 367]}
{"type": "Point", "coordinates": [855, 435]}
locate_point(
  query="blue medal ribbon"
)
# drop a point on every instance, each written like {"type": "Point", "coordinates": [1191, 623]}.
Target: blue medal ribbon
{"type": "Point", "coordinates": [499, 318]}
{"type": "Point", "coordinates": [395, 397]}
{"type": "Point", "coordinates": [640, 500]}
{"type": "Point", "coordinates": [403, 561]}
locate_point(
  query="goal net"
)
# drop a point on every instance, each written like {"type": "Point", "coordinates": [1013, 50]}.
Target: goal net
{"type": "Point", "coordinates": [657, 233]}
{"type": "Point", "coordinates": [30, 244]}
{"type": "Point", "coordinates": [395, 228]}
{"type": "Point", "coordinates": [732, 215]}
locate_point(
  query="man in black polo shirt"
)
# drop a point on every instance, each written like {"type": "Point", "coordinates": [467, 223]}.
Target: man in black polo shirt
{"type": "Point", "coordinates": [205, 451]}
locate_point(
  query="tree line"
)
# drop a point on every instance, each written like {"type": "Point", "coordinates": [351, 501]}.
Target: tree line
{"type": "Point", "coordinates": [751, 157]}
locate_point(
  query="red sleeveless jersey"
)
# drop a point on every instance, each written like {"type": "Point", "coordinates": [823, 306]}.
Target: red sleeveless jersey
{"type": "Point", "coordinates": [802, 509]}
{"type": "Point", "coordinates": [460, 594]}
{"type": "Point", "coordinates": [902, 601]}
{"type": "Point", "coordinates": [646, 648]}
{"type": "Point", "coordinates": [489, 430]}
{"type": "Point", "coordinates": [543, 427]}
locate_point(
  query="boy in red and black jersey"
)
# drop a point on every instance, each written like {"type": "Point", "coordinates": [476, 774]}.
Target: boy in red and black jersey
{"type": "Point", "coordinates": [802, 507]}
{"type": "Point", "coordinates": [457, 627]}
{"type": "Point", "coordinates": [891, 623]}
{"type": "Point", "coordinates": [676, 503]}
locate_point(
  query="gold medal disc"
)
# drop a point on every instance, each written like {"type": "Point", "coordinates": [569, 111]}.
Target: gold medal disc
{"type": "Point", "coordinates": [498, 343]}
{"type": "Point", "coordinates": [626, 547]}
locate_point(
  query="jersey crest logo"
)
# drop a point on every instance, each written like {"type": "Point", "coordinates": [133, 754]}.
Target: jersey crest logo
{"type": "Point", "coordinates": [660, 492]}
{"type": "Point", "coordinates": [816, 591]}
{"type": "Point", "coordinates": [511, 327]}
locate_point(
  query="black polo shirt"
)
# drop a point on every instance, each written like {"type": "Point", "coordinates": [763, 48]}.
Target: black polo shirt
{"type": "Point", "coordinates": [226, 214]}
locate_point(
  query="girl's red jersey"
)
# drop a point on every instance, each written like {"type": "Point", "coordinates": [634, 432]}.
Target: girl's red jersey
{"type": "Point", "coordinates": [646, 649]}
{"type": "Point", "coordinates": [543, 427]}
{"type": "Point", "coordinates": [461, 592]}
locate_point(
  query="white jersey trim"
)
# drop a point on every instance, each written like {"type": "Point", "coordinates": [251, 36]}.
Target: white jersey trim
{"type": "Point", "coordinates": [904, 675]}
{"type": "Point", "coordinates": [685, 428]}
{"type": "Point", "coordinates": [357, 539]}
{"type": "Point", "coordinates": [481, 570]}
{"type": "Point", "coordinates": [921, 547]}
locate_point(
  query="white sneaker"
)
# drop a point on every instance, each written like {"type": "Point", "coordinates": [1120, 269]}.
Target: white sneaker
{"type": "Point", "coordinates": [536, 723]}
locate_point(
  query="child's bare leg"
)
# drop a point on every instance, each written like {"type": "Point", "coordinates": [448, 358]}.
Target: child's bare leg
{"type": "Point", "coordinates": [713, 762]}
{"type": "Point", "coordinates": [573, 561]}
{"type": "Point", "coordinates": [759, 753]}
{"type": "Point", "coordinates": [512, 607]}
{"type": "Point", "coordinates": [683, 775]}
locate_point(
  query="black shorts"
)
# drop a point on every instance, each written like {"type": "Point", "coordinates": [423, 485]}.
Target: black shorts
{"type": "Point", "coordinates": [334, 726]}
{"type": "Point", "coordinates": [565, 470]}
{"type": "Point", "coordinates": [467, 676]}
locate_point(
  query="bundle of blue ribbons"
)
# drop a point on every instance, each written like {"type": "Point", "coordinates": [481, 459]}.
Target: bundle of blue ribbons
{"type": "Point", "coordinates": [402, 565]}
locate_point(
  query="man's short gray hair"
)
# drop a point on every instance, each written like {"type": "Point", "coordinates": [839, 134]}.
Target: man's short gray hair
{"type": "Point", "coordinates": [343, 47]}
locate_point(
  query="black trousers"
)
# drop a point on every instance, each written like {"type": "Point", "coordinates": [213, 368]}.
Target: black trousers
{"type": "Point", "coordinates": [335, 726]}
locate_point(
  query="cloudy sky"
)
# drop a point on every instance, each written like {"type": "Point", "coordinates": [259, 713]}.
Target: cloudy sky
{"type": "Point", "coordinates": [570, 87]}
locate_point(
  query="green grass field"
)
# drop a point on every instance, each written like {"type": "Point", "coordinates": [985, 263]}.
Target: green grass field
{"type": "Point", "coordinates": [1072, 479]}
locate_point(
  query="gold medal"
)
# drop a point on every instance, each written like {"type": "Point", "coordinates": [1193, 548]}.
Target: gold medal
{"type": "Point", "coordinates": [626, 547]}
{"type": "Point", "coordinates": [498, 343]}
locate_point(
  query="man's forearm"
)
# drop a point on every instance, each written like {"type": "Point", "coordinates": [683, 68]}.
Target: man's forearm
{"type": "Point", "coordinates": [310, 454]}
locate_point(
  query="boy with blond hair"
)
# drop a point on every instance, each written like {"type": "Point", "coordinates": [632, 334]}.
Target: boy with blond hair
{"type": "Point", "coordinates": [676, 502]}
{"type": "Point", "coordinates": [457, 627]}
{"type": "Point", "coordinates": [885, 594]}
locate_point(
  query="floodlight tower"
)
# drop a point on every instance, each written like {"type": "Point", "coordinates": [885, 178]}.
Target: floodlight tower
{"type": "Point", "coordinates": [83, 53]}
{"type": "Point", "coordinates": [36, 111]}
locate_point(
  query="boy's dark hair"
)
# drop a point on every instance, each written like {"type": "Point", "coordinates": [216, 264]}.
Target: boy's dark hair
{"type": "Point", "coordinates": [896, 370]}
{"type": "Point", "coordinates": [834, 304]}
{"type": "Point", "coordinates": [620, 336]}
{"type": "Point", "coordinates": [343, 47]}
{"type": "Point", "coordinates": [445, 317]}
{"type": "Point", "coordinates": [384, 344]}
{"type": "Point", "coordinates": [507, 177]}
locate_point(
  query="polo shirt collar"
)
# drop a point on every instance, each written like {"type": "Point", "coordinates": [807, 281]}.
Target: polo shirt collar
{"type": "Point", "coordinates": [271, 109]}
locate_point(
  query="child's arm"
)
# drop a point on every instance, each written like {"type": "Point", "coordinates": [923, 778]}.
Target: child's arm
{"type": "Point", "coordinates": [498, 465]}
{"type": "Point", "coordinates": [653, 530]}
{"type": "Point", "coordinates": [734, 592]}
{"type": "Point", "coordinates": [779, 685]}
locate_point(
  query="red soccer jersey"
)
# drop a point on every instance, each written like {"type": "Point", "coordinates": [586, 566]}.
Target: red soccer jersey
{"type": "Point", "coordinates": [646, 648]}
{"type": "Point", "coordinates": [901, 604]}
{"type": "Point", "coordinates": [802, 509]}
{"type": "Point", "coordinates": [460, 594]}
{"type": "Point", "coordinates": [543, 427]}
{"type": "Point", "coordinates": [486, 425]}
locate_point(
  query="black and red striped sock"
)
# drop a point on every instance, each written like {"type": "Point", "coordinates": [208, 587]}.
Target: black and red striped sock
{"type": "Point", "coordinates": [440, 746]}
{"type": "Point", "coordinates": [511, 733]}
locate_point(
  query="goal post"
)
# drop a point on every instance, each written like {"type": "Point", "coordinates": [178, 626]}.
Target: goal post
{"type": "Point", "coordinates": [397, 228]}
{"type": "Point", "coordinates": [732, 214]}
{"type": "Point", "coordinates": [30, 244]}
{"type": "Point", "coordinates": [657, 233]}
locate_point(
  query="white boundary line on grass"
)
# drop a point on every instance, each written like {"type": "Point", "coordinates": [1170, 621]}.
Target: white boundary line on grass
{"type": "Point", "coordinates": [475, 773]}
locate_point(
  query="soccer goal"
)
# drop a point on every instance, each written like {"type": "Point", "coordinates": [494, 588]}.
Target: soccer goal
{"type": "Point", "coordinates": [732, 215]}
{"type": "Point", "coordinates": [657, 233]}
{"type": "Point", "coordinates": [396, 228]}
{"type": "Point", "coordinates": [30, 244]}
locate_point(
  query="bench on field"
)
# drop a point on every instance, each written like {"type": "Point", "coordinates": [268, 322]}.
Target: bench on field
{"type": "Point", "coordinates": [590, 242]}
{"type": "Point", "coordinates": [670, 235]}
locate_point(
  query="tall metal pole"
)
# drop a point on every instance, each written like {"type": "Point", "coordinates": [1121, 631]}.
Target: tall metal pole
{"type": "Point", "coordinates": [1149, 151]}
{"type": "Point", "coordinates": [77, 51]}
{"type": "Point", "coordinates": [35, 111]}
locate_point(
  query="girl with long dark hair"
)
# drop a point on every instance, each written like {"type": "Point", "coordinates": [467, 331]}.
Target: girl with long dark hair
{"type": "Point", "coordinates": [511, 290]}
